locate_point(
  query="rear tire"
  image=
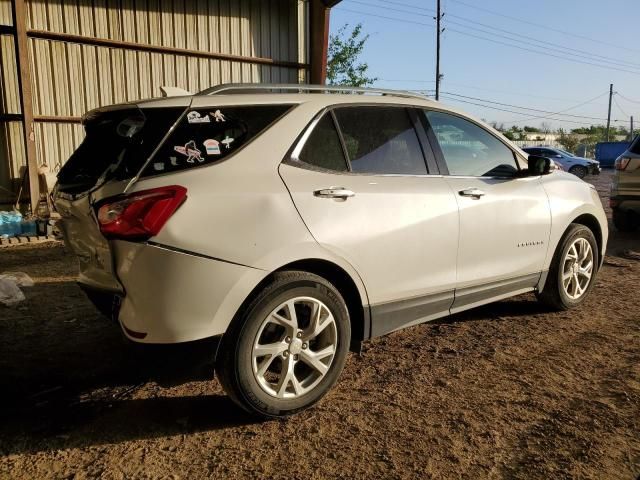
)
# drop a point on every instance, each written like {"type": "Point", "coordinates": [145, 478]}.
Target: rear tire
{"type": "Point", "coordinates": [624, 221]}
{"type": "Point", "coordinates": [285, 350]}
{"type": "Point", "coordinates": [570, 277]}
{"type": "Point", "coordinates": [579, 171]}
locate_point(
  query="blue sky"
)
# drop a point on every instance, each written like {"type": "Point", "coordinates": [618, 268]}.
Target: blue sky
{"type": "Point", "coordinates": [402, 54]}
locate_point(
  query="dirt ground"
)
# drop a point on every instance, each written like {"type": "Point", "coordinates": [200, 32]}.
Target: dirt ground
{"type": "Point", "coordinates": [508, 390]}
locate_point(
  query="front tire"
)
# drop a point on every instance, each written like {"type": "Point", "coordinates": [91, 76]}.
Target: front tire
{"type": "Point", "coordinates": [287, 347]}
{"type": "Point", "coordinates": [573, 269]}
{"type": "Point", "coordinates": [579, 171]}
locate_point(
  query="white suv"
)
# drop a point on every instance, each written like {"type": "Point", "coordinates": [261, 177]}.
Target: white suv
{"type": "Point", "coordinates": [297, 225]}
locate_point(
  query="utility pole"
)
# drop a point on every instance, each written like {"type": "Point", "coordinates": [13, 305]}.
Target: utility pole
{"type": "Point", "coordinates": [631, 130]}
{"type": "Point", "coordinates": [609, 115]}
{"type": "Point", "coordinates": [438, 32]}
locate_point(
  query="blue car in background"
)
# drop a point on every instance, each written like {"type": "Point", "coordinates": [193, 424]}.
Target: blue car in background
{"type": "Point", "coordinates": [579, 166]}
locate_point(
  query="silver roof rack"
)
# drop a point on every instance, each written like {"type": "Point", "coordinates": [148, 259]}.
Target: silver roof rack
{"type": "Point", "coordinates": [230, 88]}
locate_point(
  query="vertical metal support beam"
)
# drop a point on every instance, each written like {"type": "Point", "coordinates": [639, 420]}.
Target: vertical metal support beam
{"type": "Point", "coordinates": [24, 85]}
{"type": "Point", "coordinates": [319, 41]}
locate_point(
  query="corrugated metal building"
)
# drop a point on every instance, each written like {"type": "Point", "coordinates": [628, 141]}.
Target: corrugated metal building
{"type": "Point", "coordinates": [60, 58]}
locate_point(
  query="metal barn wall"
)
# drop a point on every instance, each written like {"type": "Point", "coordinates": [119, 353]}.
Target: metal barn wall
{"type": "Point", "coordinates": [260, 41]}
{"type": "Point", "coordinates": [12, 153]}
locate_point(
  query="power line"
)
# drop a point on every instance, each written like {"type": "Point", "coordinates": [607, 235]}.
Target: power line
{"type": "Point", "coordinates": [424, 9]}
{"type": "Point", "coordinates": [517, 113]}
{"type": "Point", "coordinates": [628, 99]}
{"type": "Point", "coordinates": [619, 107]}
{"type": "Point", "coordinates": [475, 87]}
{"type": "Point", "coordinates": [382, 16]}
{"type": "Point", "coordinates": [584, 54]}
{"type": "Point", "coordinates": [541, 117]}
{"type": "Point", "coordinates": [451, 97]}
{"type": "Point", "coordinates": [539, 25]}
{"type": "Point", "coordinates": [546, 54]}
{"type": "Point", "coordinates": [390, 8]}
{"type": "Point", "coordinates": [554, 46]}
{"type": "Point", "coordinates": [526, 108]}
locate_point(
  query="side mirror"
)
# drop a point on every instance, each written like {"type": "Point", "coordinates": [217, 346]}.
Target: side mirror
{"type": "Point", "coordinates": [537, 165]}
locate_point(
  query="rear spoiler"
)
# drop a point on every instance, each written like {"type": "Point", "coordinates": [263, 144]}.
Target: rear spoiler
{"type": "Point", "coordinates": [173, 91]}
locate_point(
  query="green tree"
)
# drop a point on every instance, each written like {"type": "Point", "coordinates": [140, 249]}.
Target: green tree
{"type": "Point", "coordinates": [569, 141]}
{"type": "Point", "coordinates": [343, 66]}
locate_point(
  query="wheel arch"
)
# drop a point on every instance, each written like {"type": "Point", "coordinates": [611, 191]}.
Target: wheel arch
{"type": "Point", "coordinates": [591, 222]}
{"type": "Point", "coordinates": [340, 278]}
{"type": "Point", "coordinates": [357, 306]}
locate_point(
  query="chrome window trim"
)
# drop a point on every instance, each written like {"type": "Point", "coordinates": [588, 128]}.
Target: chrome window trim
{"type": "Point", "coordinates": [293, 159]}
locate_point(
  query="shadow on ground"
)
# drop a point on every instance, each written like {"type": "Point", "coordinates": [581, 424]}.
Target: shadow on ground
{"type": "Point", "coordinates": [69, 378]}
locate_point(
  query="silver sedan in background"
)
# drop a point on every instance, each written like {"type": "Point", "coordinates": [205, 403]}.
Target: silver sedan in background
{"type": "Point", "coordinates": [579, 166]}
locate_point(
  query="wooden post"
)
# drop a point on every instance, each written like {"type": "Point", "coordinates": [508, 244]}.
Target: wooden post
{"type": "Point", "coordinates": [319, 34]}
{"type": "Point", "coordinates": [24, 86]}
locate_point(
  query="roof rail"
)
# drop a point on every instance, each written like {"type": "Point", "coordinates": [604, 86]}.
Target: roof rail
{"type": "Point", "coordinates": [229, 88]}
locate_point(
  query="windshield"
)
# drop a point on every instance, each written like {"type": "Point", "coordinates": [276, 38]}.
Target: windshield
{"type": "Point", "coordinates": [567, 154]}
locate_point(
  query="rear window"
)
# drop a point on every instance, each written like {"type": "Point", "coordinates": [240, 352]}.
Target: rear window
{"type": "Point", "coordinates": [116, 145]}
{"type": "Point", "coordinates": [206, 136]}
{"type": "Point", "coordinates": [635, 146]}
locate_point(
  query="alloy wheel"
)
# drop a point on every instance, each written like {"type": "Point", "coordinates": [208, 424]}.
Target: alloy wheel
{"type": "Point", "coordinates": [577, 268]}
{"type": "Point", "coordinates": [294, 347]}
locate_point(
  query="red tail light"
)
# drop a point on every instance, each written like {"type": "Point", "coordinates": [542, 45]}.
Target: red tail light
{"type": "Point", "coordinates": [621, 163]}
{"type": "Point", "coordinates": [140, 215]}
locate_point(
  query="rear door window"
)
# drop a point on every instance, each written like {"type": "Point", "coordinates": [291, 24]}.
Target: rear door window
{"type": "Point", "coordinates": [381, 140]}
{"type": "Point", "coordinates": [323, 148]}
{"type": "Point", "coordinates": [635, 146]}
{"type": "Point", "coordinates": [206, 136]}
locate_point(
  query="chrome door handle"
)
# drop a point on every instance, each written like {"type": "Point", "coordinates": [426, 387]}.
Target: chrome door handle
{"type": "Point", "coordinates": [472, 192]}
{"type": "Point", "coordinates": [334, 192]}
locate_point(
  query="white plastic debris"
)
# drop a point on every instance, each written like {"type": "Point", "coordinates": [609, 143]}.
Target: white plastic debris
{"type": "Point", "coordinates": [21, 278]}
{"type": "Point", "coordinates": [10, 283]}
{"type": "Point", "coordinates": [10, 293]}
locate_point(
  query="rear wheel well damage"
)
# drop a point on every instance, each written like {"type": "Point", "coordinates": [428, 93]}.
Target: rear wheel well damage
{"type": "Point", "coordinates": [339, 278]}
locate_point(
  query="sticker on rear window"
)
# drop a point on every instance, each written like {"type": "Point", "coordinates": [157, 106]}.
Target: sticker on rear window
{"type": "Point", "coordinates": [212, 146]}
{"type": "Point", "coordinates": [194, 117]}
{"type": "Point", "coordinates": [218, 116]}
{"type": "Point", "coordinates": [227, 141]}
{"type": "Point", "coordinates": [158, 166]}
{"type": "Point", "coordinates": [190, 151]}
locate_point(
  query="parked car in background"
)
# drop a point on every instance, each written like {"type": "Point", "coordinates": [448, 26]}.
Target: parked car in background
{"type": "Point", "coordinates": [297, 225]}
{"type": "Point", "coordinates": [607, 152]}
{"type": "Point", "coordinates": [579, 166]}
{"type": "Point", "coordinates": [625, 189]}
